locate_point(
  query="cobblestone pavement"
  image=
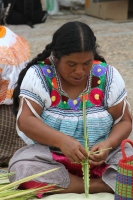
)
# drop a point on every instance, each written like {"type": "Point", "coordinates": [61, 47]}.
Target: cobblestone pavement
{"type": "Point", "coordinates": [115, 40]}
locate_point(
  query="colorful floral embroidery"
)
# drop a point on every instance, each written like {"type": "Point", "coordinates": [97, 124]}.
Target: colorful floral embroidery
{"type": "Point", "coordinates": [74, 104]}
{"type": "Point", "coordinates": [55, 98]}
{"type": "Point", "coordinates": [86, 97]}
{"type": "Point", "coordinates": [64, 99]}
{"type": "Point", "coordinates": [95, 81]}
{"type": "Point", "coordinates": [48, 71]}
{"type": "Point", "coordinates": [98, 70]}
{"type": "Point", "coordinates": [96, 96]}
{"type": "Point", "coordinates": [47, 61]}
{"type": "Point", "coordinates": [54, 83]}
{"type": "Point", "coordinates": [95, 62]}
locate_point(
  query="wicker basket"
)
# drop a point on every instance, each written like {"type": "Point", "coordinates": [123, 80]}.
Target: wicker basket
{"type": "Point", "coordinates": [124, 178]}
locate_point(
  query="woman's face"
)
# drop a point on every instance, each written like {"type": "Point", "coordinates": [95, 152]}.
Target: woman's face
{"type": "Point", "coordinates": [75, 67]}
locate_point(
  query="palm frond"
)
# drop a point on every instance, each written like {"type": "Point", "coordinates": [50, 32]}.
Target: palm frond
{"type": "Point", "coordinates": [85, 163]}
{"type": "Point", "coordinates": [16, 183]}
{"type": "Point", "coordinates": [12, 194]}
{"type": "Point", "coordinates": [4, 178]}
{"type": "Point", "coordinates": [9, 191]}
{"type": "Point", "coordinates": [6, 175]}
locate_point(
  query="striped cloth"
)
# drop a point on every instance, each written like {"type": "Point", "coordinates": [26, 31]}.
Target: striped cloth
{"type": "Point", "coordinates": [9, 140]}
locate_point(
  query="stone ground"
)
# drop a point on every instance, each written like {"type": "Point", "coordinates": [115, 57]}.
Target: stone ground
{"type": "Point", "coordinates": [115, 40]}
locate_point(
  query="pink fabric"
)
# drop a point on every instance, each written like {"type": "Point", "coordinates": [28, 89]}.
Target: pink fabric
{"type": "Point", "coordinates": [76, 169]}
{"type": "Point", "coordinates": [34, 184]}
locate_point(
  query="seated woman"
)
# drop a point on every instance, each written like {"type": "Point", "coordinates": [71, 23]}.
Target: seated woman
{"type": "Point", "coordinates": [48, 102]}
{"type": "Point", "coordinates": [14, 54]}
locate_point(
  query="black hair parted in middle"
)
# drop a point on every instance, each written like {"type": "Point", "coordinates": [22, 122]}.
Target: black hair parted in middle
{"type": "Point", "coordinates": [73, 37]}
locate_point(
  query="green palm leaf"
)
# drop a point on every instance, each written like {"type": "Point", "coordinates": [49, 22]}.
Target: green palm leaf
{"type": "Point", "coordinates": [12, 194]}
{"type": "Point", "coordinates": [16, 183]}
{"type": "Point", "coordinates": [8, 191]}
{"type": "Point", "coordinates": [85, 163]}
{"type": "Point", "coordinates": [6, 175]}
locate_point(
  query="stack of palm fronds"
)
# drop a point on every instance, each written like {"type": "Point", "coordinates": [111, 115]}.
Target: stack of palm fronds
{"type": "Point", "coordinates": [10, 191]}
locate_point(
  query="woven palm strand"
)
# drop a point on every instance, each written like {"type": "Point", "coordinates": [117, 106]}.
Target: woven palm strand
{"type": "Point", "coordinates": [124, 178]}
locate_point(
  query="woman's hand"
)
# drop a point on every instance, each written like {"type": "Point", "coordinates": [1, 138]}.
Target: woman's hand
{"type": "Point", "coordinates": [72, 149]}
{"type": "Point", "coordinates": [99, 158]}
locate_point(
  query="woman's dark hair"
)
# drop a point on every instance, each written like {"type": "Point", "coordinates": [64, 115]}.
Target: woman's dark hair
{"type": "Point", "coordinates": [70, 38]}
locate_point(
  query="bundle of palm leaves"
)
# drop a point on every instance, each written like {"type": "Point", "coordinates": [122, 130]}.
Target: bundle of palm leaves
{"type": "Point", "coordinates": [10, 191]}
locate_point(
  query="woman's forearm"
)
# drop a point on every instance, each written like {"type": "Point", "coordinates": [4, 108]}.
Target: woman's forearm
{"type": "Point", "coordinates": [119, 132]}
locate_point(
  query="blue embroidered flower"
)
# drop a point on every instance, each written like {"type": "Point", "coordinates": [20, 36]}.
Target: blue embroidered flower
{"type": "Point", "coordinates": [74, 104]}
{"type": "Point", "coordinates": [48, 71]}
{"type": "Point", "coordinates": [98, 70]}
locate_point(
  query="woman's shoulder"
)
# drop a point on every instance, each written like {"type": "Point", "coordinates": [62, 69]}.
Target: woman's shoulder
{"type": "Point", "coordinates": [114, 75]}
{"type": "Point", "coordinates": [42, 70]}
{"type": "Point", "coordinates": [112, 69]}
{"type": "Point", "coordinates": [115, 90]}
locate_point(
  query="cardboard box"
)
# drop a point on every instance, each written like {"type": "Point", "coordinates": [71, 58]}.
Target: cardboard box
{"type": "Point", "coordinates": [107, 9]}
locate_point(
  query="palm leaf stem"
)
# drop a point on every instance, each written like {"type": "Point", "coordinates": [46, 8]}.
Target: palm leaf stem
{"type": "Point", "coordinates": [85, 163]}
